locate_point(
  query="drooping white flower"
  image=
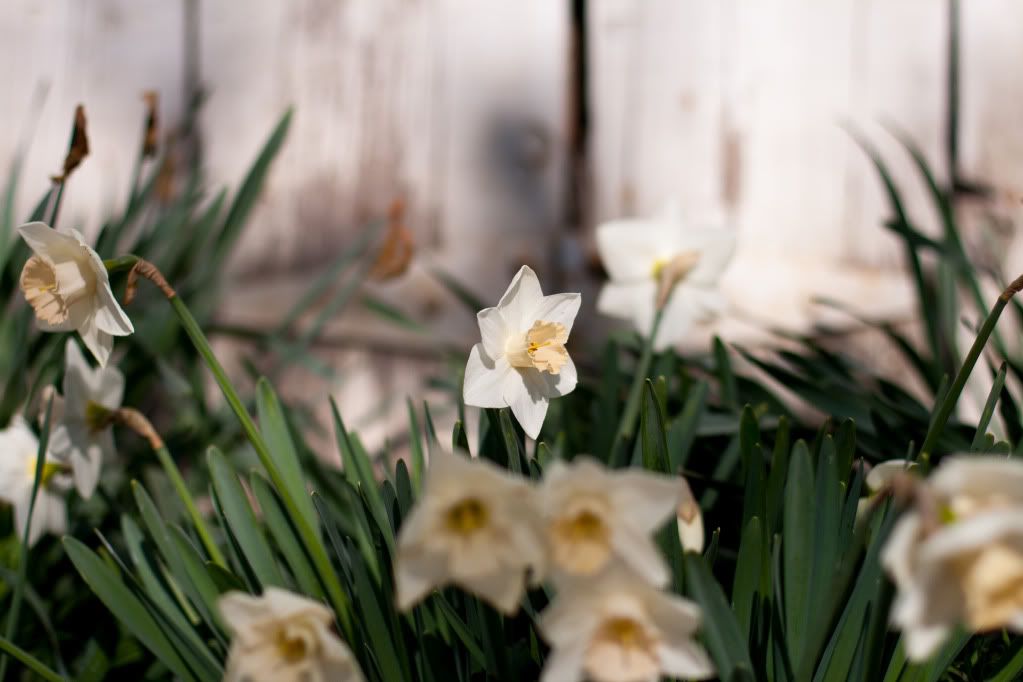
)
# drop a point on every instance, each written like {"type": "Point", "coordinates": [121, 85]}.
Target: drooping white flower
{"type": "Point", "coordinates": [475, 527]}
{"type": "Point", "coordinates": [83, 436]}
{"type": "Point", "coordinates": [957, 557]}
{"type": "Point", "coordinates": [67, 285]}
{"type": "Point", "coordinates": [617, 628]}
{"type": "Point", "coordinates": [690, 521]}
{"type": "Point", "coordinates": [19, 450]}
{"type": "Point", "coordinates": [595, 515]}
{"type": "Point", "coordinates": [284, 637]}
{"type": "Point", "coordinates": [522, 362]}
{"type": "Point", "coordinates": [647, 259]}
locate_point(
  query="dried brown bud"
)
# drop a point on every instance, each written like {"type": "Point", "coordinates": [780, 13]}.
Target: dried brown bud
{"type": "Point", "coordinates": [396, 253]}
{"type": "Point", "coordinates": [79, 147]}
{"type": "Point", "coordinates": [150, 140]}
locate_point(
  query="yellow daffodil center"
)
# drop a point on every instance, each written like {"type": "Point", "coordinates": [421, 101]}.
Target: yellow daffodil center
{"type": "Point", "coordinates": [622, 649]}
{"type": "Point", "coordinates": [542, 347]}
{"type": "Point", "coordinates": [467, 516]}
{"type": "Point", "coordinates": [51, 289]}
{"type": "Point", "coordinates": [291, 648]}
{"type": "Point", "coordinates": [50, 469]}
{"type": "Point", "coordinates": [581, 542]}
{"type": "Point", "coordinates": [97, 417]}
{"type": "Point", "coordinates": [992, 583]}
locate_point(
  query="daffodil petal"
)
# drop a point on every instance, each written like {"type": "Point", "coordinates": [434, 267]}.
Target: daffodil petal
{"type": "Point", "coordinates": [524, 392]}
{"type": "Point", "coordinates": [522, 297]}
{"type": "Point", "coordinates": [484, 382]}
{"type": "Point", "coordinates": [560, 308]}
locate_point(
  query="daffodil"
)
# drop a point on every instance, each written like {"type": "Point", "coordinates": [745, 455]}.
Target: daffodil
{"type": "Point", "coordinates": [19, 450]}
{"type": "Point", "coordinates": [690, 520]}
{"type": "Point", "coordinates": [67, 285]}
{"type": "Point", "coordinates": [595, 515]}
{"type": "Point", "coordinates": [617, 628]}
{"type": "Point", "coordinates": [83, 436]}
{"type": "Point", "coordinates": [522, 362]}
{"type": "Point", "coordinates": [284, 637]}
{"type": "Point", "coordinates": [663, 262]}
{"type": "Point", "coordinates": [957, 556]}
{"type": "Point", "coordinates": [475, 527]}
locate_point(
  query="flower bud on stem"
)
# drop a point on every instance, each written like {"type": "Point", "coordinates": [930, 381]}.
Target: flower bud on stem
{"type": "Point", "coordinates": [137, 422]}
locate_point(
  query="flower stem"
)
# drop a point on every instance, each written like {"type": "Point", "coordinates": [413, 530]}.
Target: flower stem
{"type": "Point", "coordinates": [310, 537]}
{"type": "Point", "coordinates": [30, 661]}
{"type": "Point", "coordinates": [137, 422]}
{"type": "Point", "coordinates": [952, 395]}
{"type": "Point", "coordinates": [628, 421]}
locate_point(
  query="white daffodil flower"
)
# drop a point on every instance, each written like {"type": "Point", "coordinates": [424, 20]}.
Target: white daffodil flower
{"type": "Point", "coordinates": [957, 557]}
{"type": "Point", "coordinates": [595, 515]}
{"type": "Point", "coordinates": [661, 261]}
{"type": "Point", "coordinates": [522, 362]}
{"type": "Point", "coordinates": [284, 637]}
{"type": "Point", "coordinates": [19, 450]}
{"type": "Point", "coordinates": [67, 285]}
{"type": "Point", "coordinates": [617, 628]}
{"type": "Point", "coordinates": [83, 436]}
{"type": "Point", "coordinates": [690, 521]}
{"type": "Point", "coordinates": [879, 476]}
{"type": "Point", "coordinates": [476, 527]}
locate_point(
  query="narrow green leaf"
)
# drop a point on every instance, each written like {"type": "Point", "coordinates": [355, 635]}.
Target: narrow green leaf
{"type": "Point", "coordinates": [798, 535]}
{"type": "Point", "coordinates": [653, 439]}
{"type": "Point", "coordinates": [683, 430]}
{"type": "Point", "coordinates": [107, 585]}
{"type": "Point", "coordinates": [285, 535]}
{"type": "Point", "coordinates": [989, 407]}
{"type": "Point", "coordinates": [726, 376]}
{"type": "Point", "coordinates": [416, 447]}
{"type": "Point", "coordinates": [721, 631]}
{"type": "Point", "coordinates": [274, 426]}
{"type": "Point", "coordinates": [242, 521]}
{"type": "Point", "coordinates": [749, 567]}
{"type": "Point", "coordinates": [29, 661]}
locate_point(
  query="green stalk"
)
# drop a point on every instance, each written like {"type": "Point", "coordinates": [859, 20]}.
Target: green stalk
{"type": "Point", "coordinates": [952, 395]}
{"type": "Point", "coordinates": [30, 661]}
{"type": "Point", "coordinates": [171, 469]}
{"type": "Point", "coordinates": [312, 540]}
{"type": "Point", "coordinates": [628, 420]}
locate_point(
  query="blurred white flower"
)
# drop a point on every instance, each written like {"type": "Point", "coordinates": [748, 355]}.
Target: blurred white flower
{"type": "Point", "coordinates": [67, 285]}
{"type": "Point", "coordinates": [83, 436]}
{"type": "Point", "coordinates": [476, 527]}
{"type": "Point", "coordinates": [19, 451]}
{"type": "Point", "coordinates": [879, 476]}
{"type": "Point", "coordinates": [690, 521]}
{"type": "Point", "coordinates": [661, 260]}
{"type": "Point", "coordinates": [595, 515]}
{"type": "Point", "coordinates": [957, 557]}
{"type": "Point", "coordinates": [522, 362]}
{"type": "Point", "coordinates": [617, 628]}
{"type": "Point", "coordinates": [284, 636]}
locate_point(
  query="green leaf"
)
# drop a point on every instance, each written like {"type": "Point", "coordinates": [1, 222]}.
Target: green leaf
{"type": "Point", "coordinates": [512, 444]}
{"type": "Point", "coordinates": [107, 585]}
{"type": "Point", "coordinates": [459, 290]}
{"type": "Point", "coordinates": [416, 447]}
{"type": "Point", "coordinates": [683, 430]}
{"type": "Point", "coordinates": [242, 521]}
{"type": "Point", "coordinates": [248, 192]}
{"type": "Point", "coordinates": [721, 631]}
{"type": "Point", "coordinates": [285, 535]}
{"type": "Point", "coordinates": [797, 544]}
{"type": "Point", "coordinates": [274, 426]}
{"type": "Point", "coordinates": [653, 439]}
{"type": "Point", "coordinates": [354, 458]}
{"type": "Point", "coordinates": [726, 377]}
{"type": "Point", "coordinates": [989, 407]}
{"type": "Point", "coordinates": [749, 567]}
{"type": "Point", "coordinates": [29, 661]}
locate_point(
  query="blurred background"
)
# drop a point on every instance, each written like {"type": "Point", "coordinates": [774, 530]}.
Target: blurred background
{"type": "Point", "coordinates": [500, 133]}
